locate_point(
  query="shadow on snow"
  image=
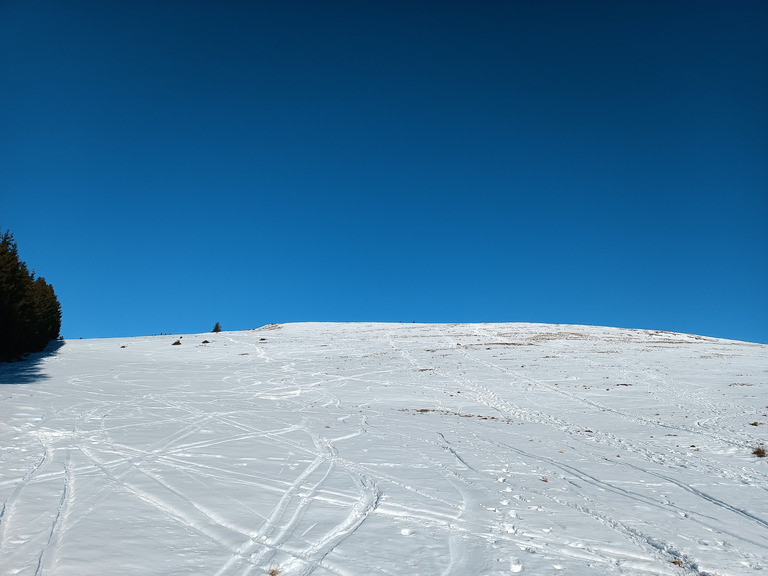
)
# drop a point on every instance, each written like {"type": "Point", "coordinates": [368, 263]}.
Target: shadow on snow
{"type": "Point", "coordinates": [29, 369]}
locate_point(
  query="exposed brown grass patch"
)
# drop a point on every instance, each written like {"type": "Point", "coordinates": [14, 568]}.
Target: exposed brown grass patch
{"type": "Point", "coordinates": [450, 413]}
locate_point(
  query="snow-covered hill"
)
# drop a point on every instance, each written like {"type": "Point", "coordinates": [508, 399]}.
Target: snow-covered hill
{"type": "Point", "coordinates": [387, 449]}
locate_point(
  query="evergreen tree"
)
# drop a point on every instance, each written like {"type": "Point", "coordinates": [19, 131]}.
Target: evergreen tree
{"type": "Point", "coordinates": [30, 313]}
{"type": "Point", "coordinates": [217, 327]}
{"type": "Point", "coordinates": [47, 313]}
{"type": "Point", "coordinates": [13, 275]}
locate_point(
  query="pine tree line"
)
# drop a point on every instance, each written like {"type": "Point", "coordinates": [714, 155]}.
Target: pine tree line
{"type": "Point", "coordinates": [30, 313]}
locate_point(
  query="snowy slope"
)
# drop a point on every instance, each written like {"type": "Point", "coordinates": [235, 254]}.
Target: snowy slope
{"type": "Point", "coordinates": [387, 449]}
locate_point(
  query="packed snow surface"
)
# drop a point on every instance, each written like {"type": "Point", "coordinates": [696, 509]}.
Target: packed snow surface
{"type": "Point", "coordinates": [387, 449]}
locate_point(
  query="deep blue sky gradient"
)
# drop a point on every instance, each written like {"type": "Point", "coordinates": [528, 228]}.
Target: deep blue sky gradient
{"type": "Point", "coordinates": [166, 165]}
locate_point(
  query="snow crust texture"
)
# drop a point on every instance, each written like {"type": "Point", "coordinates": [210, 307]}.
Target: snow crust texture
{"type": "Point", "coordinates": [387, 449]}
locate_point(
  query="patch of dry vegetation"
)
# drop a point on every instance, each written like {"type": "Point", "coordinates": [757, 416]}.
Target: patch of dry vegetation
{"type": "Point", "coordinates": [451, 413]}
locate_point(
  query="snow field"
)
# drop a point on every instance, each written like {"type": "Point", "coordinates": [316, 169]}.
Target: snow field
{"type": "Point", "coordinates": [354, 449]}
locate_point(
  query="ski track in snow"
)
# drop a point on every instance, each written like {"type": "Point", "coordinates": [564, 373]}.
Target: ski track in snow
{"type": "Point", "coordinates": [345, 449]}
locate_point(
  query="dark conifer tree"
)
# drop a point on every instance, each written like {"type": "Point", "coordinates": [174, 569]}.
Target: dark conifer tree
{"type": "Point", "coordinates": [30, 313]}
{"type": "Point", "coordinates": [47, 313]}
{"type": "Point", "coordinates": [13, 275]}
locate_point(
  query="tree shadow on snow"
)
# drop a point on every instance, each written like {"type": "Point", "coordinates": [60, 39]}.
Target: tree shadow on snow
{"type": "Point", "coordinates": [29, 369]}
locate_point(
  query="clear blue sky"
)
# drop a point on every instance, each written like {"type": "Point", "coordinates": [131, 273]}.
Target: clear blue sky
{"type": "Point", "coordinates": [166, 165]}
